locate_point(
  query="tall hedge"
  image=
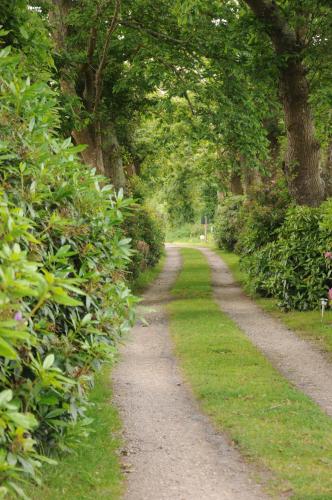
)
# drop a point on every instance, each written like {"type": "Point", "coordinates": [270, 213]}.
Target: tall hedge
{"type": "Point", "coordinates": [293, 268]}
{"type": "Point", "coordinates": [63, 255]}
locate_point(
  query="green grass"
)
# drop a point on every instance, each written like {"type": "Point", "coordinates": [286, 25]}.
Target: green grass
{"type": "Point", "coordinates": [233, 262]}
{"type": "Point", "coordinates": [274, 425]}
{"type": "Point", "coordinates": [93, 471]}
{"type": "Point", "coordinates": [145, 278]}
{"type": "Point", "coordinates": [307, 324]}
{"type": "Point", "coordinates": [187, 233]}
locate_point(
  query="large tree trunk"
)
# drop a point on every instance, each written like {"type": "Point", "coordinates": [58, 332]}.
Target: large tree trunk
{"type": "Point", "coordinates": [113, 157]}
{"type": "Point", "coordinates": [251, 179]}
{"type": "Point", "coordinates": [327, 172]}
{"type": "Point", "coordinates": [102, 147]}
{"type": "Point", "coordinates": [302, 162]}
{"type": "Point", "coordinates": [236, 183]}
{"type": "Point", "coordinates": [302, 159]}
{"type": "Point", "coordinates": [93, 154]}
{"type": "Point", "coordinates": [91, 135]}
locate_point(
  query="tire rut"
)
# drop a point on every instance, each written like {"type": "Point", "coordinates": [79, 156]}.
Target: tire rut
{"type": "Point", "coordinates": [172, 450]}
{"type": "Point", "coordinates": [298, 360]}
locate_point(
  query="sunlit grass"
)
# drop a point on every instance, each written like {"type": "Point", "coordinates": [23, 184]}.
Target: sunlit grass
{"type": "Point", "coordinates": [187, 233]}
{"type": "Point", "coordinates": [275, 426]}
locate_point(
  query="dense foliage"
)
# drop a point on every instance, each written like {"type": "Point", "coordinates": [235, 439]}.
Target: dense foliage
{"type": "Point", "coordinates": [63, 298]}
{"type": "Point", "coordinates": [282, 249]}
{"type": "Point", "coordinates": [145, 231]}
{"type": "Point", "coordinates": [262, 213]}
{"type": "Point", "coordinates": [227, 226]}
{"type": "Point", "coordinates": [202, 101]}
{"type": "Point", "coordinates": [293, 268]}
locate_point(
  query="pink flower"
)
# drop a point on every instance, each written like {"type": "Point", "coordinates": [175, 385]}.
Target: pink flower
{"type": "Point", "coordinates": [18, 316]}
{"type": "Point", "coordinates": [328, 255]}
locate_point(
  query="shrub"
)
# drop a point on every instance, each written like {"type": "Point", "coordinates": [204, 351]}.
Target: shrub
{"type": "Point", "coordinates": [227, 222]}
{"type": "Point", "coordinates": [63, 298]}
{"type": "Point", "coordinates": [145, 231]}
{"type": "Point", "coordinates": [262, 214]}
{"type": "Point", "coordinates": [293, 268]}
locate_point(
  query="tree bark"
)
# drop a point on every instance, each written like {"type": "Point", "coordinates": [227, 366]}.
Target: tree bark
{"type": "Point", "coordinates": [251, 178]}
{"type": "Point", "coordinates": [113, 157]}
{"type": "Point", "coordinates": [302, 161]}
{"type": "Point", "coordinates": [327, 172]}
{"type": "Point", "coordinates": [236, 183]}
{"type": "Point", "coordinates": [102, 152]}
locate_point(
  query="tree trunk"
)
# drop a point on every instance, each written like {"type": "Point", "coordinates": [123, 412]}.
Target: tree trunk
{"type": "Point", "coordinates": [93, 154]}
{"type": "Point", "coordinates": [273, 164]}
{"type": "Point", "coordinates": [92, 135]}
{"type": "Point", "coordinates": [302, 159]}
{"type": "Point", "coordinates": [302, 162]}
{"type": "Point", "coordinates": [251, 178]}
{"type": "Point", "coordinates": [113, 157]}
{"type": "Point", "coordinates": [236, 183]}
{"type": "Point", "coordinates": [327, 173]}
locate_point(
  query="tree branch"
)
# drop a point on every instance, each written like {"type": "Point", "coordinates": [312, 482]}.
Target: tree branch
{"type": "Point", "coordinates": [275, 24]}
{"type": "Point", "coordinates": [178, 75]}
{"type": "Point", "coordinates": [93, 37]}
{"type": "Point", "coordinates": [156, 34]}
{"type": "Point", "coordinates": [192, 109]}
{"type": "Point", "coordinates": [103, 59]}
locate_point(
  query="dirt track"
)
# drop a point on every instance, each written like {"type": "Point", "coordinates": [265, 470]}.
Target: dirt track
{"type": "Point", "coordinates": [295, 358]}
{"type": "Point", "coordinates": [172, 451]}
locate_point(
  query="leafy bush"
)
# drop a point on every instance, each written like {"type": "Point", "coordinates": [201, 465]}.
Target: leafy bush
{"type": "Point", "coordinates": [145, 231]}
{"type": "Point", "coordinates": [293, 268]}
{"type": "Point", "coordinates": [263, 212]}
{"type": "Point", "coordinates": [227, 222]}
{"type": "Point", "coordinates": [63, 298]}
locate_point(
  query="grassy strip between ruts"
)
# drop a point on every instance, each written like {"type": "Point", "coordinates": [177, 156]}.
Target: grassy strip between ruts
{"type": "Point", "coordinates": [306, 324]}
{"type": "Point", "coordinates": [275, 426]}
{"type": "Point", "coordinates": [93, 470]}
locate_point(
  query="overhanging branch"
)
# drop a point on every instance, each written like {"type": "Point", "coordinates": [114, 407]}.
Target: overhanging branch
{"type": "Point", "coordinates": [103, 59]}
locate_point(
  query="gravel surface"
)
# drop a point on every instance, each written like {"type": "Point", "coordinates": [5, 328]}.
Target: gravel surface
{"type": "Point", "coordinates": [295, 358]}
{"type": "Point", "coordinates": [172, 451]}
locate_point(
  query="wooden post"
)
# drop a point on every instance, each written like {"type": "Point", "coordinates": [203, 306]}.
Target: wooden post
{"type": "Point", "coordinates": [206, 228]}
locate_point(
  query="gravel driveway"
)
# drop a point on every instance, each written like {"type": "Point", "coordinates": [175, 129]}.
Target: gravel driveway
{"type": "Point", "coordinates": [172, 451]}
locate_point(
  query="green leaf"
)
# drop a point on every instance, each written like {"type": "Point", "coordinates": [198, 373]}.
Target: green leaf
{"type": "Point", "coordinates": [86, 319]}
{"type": "Point", "coordinates": [61, 297]}
{"type": "Point", "coordinates": [18, 334]}
{"type": "Point", "coordinates": [24, 33]}
{"type": "Point", "coordinates": [5, 396]}
{"type": "Point", "coordinates": [48, 361]}
{"type": "Point", "coordinates": [77, 149]}
{"type": "Point", "coordinates": [6, 350]}
{"type": "Point", "coordinates": [18, 490]}
{"type": "Point", "coordinates": [25, 420]}
{"type": "Point", "coordinates": [5, 52]}
{"type": "Point", "coordinates": [32, 124]}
